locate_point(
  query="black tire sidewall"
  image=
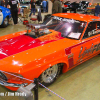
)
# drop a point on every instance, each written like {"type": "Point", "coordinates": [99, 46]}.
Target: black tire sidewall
{"type": "Point", "coordinates": [5, 25]}
{"type": "Point", "coordinates": [47, 84]}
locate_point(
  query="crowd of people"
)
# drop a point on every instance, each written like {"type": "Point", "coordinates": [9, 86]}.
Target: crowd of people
{"type": "Point", "coordinates": [97, 9]}
{"type": "Point", "coordinates": [3, 3]}
{"type": "Point", "coordinates": [14, 4]}
{"type": "Point", "coordinates": [56, 7]}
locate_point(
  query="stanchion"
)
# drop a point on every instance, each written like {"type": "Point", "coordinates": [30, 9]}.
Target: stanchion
{"type": "Point", "coordinates": [27, 91]}
{"type": "Point", "coordinates": [36, 89]}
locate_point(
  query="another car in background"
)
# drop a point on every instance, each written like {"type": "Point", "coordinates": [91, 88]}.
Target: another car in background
{"type": "Point", "coordinates": [24, 5]}
{"type": "Point", "coordinates": [83, 5]}
{"type": "Point", "coordinates": [74, 6]}
{"type": "Point", "coordinates": [5, 15]}
{"type": "Point", "coordinates": [66, 3]}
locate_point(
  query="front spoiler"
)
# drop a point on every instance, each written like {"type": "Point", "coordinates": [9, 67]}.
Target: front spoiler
{"type": "Point", "coordinates": [2, 82]}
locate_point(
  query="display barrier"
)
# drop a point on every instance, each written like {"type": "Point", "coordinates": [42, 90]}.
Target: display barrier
{"type": "Point", "coordinates": [28, 89]}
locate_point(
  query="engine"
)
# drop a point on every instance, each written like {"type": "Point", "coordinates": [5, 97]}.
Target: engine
{"type": "Point", "coordinates": [37, 30]}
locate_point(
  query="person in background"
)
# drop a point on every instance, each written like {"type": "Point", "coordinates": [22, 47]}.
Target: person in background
{"type": "Point", "coordinates": [47, 6]}
{"type": "Point", "coordinates": [38, 5]}
{"type": "Point", "coordinates": [39, 17]}
{"type": "Point", "coordinates": [38, 2]}
{"type": "Point", "coordinates": [12, 4]}
{"type": "Point", "coordinates": [32, 7]}
{"type": "Point", "coordinates": [6, 3]}
{"type": "Point", "coordinates": [74, 6]}
{"type": "Point", "coordinates": [97, 9]}
{"type": "Point", "coordinates": [44, 4]}
{"type": "Point", "coordinates": [57, 7]}
{"type": "Point", "coordinates": [3, 3]}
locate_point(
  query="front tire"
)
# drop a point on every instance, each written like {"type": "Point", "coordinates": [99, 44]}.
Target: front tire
{"type": "Point", "coordinates": [5, 22]}
{"type": "Point", "coordinates": [50, 75]}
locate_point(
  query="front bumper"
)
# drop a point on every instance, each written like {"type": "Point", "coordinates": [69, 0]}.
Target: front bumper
{"type": "Point", "coordinates": [4, 83]}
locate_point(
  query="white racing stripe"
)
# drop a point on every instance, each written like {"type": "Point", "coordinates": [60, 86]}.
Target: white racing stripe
{"type": "Point", "coordinates": [1, 18]}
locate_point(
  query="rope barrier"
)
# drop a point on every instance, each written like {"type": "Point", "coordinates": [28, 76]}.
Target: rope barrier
{"type": "Point", "coordinates": [51, 91]}
{"type": "Point", "coordinates": [17, 76]}
{"type": "Point", "coordinates": [33, 81]}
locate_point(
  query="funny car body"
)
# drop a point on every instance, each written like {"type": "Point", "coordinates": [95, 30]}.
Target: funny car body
{"type": "Point", "coordinates": [62, 42]}
{"type": "Point", "coordinates": [5, 15]}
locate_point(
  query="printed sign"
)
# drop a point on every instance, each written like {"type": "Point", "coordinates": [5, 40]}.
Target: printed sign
{"type": "Point", "coordinates": [14, 2]}
{"type": "Point", "coordinates": [74, 35]}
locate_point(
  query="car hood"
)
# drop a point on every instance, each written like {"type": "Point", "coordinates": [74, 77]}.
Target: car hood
{"type": "Point", "coordinates": [23, 51]}
{"type": "Point", "coordinates": [23, 42]}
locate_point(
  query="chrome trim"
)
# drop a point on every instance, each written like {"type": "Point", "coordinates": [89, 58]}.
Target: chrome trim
{"type": "Point", "coordinates": [3, 76]}
{"type": "Point", "coordinates": [2, 82]}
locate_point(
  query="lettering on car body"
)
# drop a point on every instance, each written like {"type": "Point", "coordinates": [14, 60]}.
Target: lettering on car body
{"type": "Point", "coordinates": [65, 19]}
{"type": "Point", "coordinates": [83, 53]}
{"type": "Point", "coordinates": [95, 31]}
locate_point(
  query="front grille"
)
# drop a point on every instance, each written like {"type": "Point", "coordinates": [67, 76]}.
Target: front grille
{"type": "Point", "coordinates": [3, 76]}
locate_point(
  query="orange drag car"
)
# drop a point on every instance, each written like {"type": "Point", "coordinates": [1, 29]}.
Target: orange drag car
{"type": "Point", "coordinates": [63, 41]}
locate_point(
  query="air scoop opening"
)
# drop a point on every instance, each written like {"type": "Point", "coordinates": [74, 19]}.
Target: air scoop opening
{"type": "Point", "coordinates": [37, 30]}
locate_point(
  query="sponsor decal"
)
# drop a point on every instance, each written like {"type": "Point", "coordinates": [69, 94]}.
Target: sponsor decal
{"type": "Point", "coordinates": [86, 52]}
{"type": "Point", "coordinates": [93, 32]}
{"type": "Point", "coordinates": [66, 20]}
{"type": "Point", "coordinates": [7, 11]}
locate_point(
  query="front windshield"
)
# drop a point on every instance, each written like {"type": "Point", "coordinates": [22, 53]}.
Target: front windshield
{"type": "Point", "coordinates": [68, 27]}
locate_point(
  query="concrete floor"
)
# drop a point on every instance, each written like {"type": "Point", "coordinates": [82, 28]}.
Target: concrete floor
{"type": "Point", "coordinates": [80, 83]}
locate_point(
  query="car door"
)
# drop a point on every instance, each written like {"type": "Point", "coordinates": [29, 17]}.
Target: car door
{"type": "Point", "coordinates": [90, 45]}
{"type": "Point", "coordinates": [1, 17]}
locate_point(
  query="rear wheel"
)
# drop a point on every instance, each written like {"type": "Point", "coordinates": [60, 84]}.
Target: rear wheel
{"type": "Point", "coordinates": [50, 75]}
{"type": "Point", "coordinates": [5, 22]}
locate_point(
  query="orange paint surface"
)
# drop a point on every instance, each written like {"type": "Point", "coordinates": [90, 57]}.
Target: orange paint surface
{"type": "Point", "coordinates": [31, 63]}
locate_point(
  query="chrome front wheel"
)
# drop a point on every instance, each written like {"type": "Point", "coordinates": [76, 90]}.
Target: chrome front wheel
{"type": "Point", "coordinates": [50, 75]}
